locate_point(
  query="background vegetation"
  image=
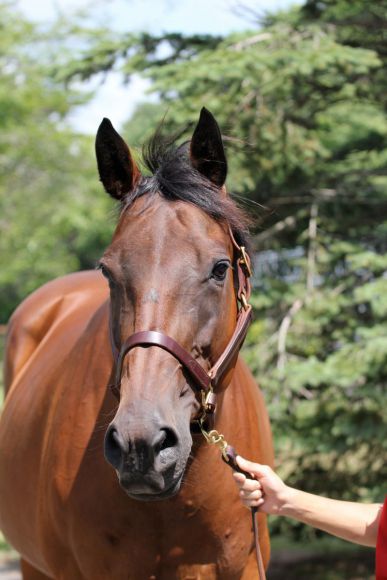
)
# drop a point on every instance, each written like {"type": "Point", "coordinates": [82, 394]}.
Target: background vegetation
{"type": "Point", "coordinates": [303, 94]}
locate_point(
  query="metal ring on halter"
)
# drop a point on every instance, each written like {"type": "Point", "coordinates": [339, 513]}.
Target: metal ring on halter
{"type": "Point", "coordinates": [246, 262]}
{"type": "Point", "coordinates": [243, 300]}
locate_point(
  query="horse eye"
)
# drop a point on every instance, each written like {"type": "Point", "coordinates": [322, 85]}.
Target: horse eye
{"type": "Point", "coordinates": [219, 271]}
{"type": "Point", "coordinates": [105, 272]}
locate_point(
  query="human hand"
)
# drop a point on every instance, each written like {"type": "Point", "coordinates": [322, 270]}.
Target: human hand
{"type": "Point", "coordinates": [266, 491]}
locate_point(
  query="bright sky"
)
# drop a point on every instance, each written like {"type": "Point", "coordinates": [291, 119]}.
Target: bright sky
{"type": "Point", "coordinates": [189, 16]}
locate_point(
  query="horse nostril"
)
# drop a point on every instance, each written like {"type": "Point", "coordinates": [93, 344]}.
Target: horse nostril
{"type": "Point", "coordinates": [167, 439]}
{"type": "Point", "coordinates": [114, 447]}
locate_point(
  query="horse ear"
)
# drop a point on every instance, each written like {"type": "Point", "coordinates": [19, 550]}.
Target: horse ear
{"type": "Point", "coordinates": [117, 170]}
{"type": "Point", "coordinates": [207, 152]}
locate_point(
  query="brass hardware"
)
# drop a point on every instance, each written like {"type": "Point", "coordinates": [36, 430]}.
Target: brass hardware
{"type": "Point", "coordinates": [204, 397]}
{"type": "Point", "coordinates": [213, 437]}
{"type": "Point", "coordinates": [244, 301]}
{"type": "Point", "coordinates": [245, 261]}
{"type": "Point", "coordinates": [207, 407]}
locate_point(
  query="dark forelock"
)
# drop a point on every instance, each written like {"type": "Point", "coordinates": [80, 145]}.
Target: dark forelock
{"type": "Point", "coordinates": [174, 177]}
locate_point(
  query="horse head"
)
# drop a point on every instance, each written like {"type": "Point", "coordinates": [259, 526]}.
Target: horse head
{"type": "Point", "coordinates": [171, 269]}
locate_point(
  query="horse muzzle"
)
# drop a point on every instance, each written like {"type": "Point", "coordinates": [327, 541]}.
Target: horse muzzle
{"type": "Point", "coordinates": [144, 488]}
{"type": "Point", "coordinates": [150, 466]}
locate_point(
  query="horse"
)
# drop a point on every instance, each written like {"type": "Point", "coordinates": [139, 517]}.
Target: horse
{"type": "Point", "coordinates": [104, 475]}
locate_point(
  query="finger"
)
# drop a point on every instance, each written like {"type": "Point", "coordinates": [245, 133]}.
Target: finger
{"type": "Point", "coordinates": [248, 495]}
{"type": "Point", "coordinates": [259, 502]}
{"type": "Point", "coordinates": [239, 478]}
{"type": "Point", "coordinates": [250, 466]}
{"type": "Point", "coordinates": [251, 485]}
{"type": "Point", "coordinates": [249, 503]}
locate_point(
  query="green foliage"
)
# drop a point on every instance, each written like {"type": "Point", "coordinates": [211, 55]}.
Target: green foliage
{"type": "Point", "coordinates": [143, 124]}
{"type": "Point", "coordinates": [303, 98]}
{"type": "Point", "coordinates": [53, 214]}
{"type": "Point", "coordinates": [305, 94]}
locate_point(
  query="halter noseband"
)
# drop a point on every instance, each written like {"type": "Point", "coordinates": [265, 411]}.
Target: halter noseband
{"type": "Point", "coordinates": [203, 381]}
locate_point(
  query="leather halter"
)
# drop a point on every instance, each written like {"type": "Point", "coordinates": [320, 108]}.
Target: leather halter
{"type": "Point", "coordinates": [203, 381]}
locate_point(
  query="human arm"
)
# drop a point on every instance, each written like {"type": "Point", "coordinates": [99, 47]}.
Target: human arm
{"type": "Point", "coordinates": [355, 522]}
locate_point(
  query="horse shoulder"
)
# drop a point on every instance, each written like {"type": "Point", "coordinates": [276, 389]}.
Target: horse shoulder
{"type": "Point", "coordinates": [40, 412]}
{"type": "Point", "coordinates": [248, 400]}
{"type": "Point", "coordinates": [44, 309]}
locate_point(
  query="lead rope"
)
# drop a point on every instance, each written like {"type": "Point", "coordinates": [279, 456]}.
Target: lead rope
{"type": "Point", "coordinates": [204, 379]}
{"type": "Point", "coordinates": [213, 437]}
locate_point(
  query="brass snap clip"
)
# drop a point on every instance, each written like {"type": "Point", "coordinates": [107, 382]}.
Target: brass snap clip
{"type": "Point", "coordinates": [213, 437]}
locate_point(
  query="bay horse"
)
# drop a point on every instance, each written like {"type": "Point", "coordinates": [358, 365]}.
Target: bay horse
{"type": "Point", "coordinates": [160, 504]}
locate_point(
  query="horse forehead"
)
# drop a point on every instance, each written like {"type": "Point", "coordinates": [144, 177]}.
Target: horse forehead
{"type": "Point", "coordinates": [173, 225]}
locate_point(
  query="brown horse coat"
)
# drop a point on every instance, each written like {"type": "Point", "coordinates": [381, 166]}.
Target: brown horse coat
{"type": "Point", "coordinates": [61, 505]}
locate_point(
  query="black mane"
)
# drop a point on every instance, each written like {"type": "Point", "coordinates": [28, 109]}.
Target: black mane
{"type": "Point", "coordinates": [173, 176]}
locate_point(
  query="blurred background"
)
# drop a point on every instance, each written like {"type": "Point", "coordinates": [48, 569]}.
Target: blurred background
{"type": "Point", "coordinates": [301, 90]}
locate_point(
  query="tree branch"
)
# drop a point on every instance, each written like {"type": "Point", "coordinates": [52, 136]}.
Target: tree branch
{"type": "Point", "coordinates": [283, 332]}
{"type": "Point", "coordinates": [288, 223]}
{"type": "Point", "coordinates": [311, 260]}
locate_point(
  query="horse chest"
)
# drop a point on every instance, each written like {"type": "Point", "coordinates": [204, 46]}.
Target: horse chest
{"type": "Point", "coordinates": [178, 539]}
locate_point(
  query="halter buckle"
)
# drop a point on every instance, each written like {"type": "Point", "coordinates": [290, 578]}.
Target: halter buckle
{"type": "Point", "coordinates": [208, 402]}
{"type": "Point", "coordinates": [243, 300]}
{"type": "Point", "coordinates": [245, 262]}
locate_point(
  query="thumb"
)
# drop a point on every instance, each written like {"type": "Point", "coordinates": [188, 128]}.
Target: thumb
{"type": "Point", "coordinates": [255, 469]}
